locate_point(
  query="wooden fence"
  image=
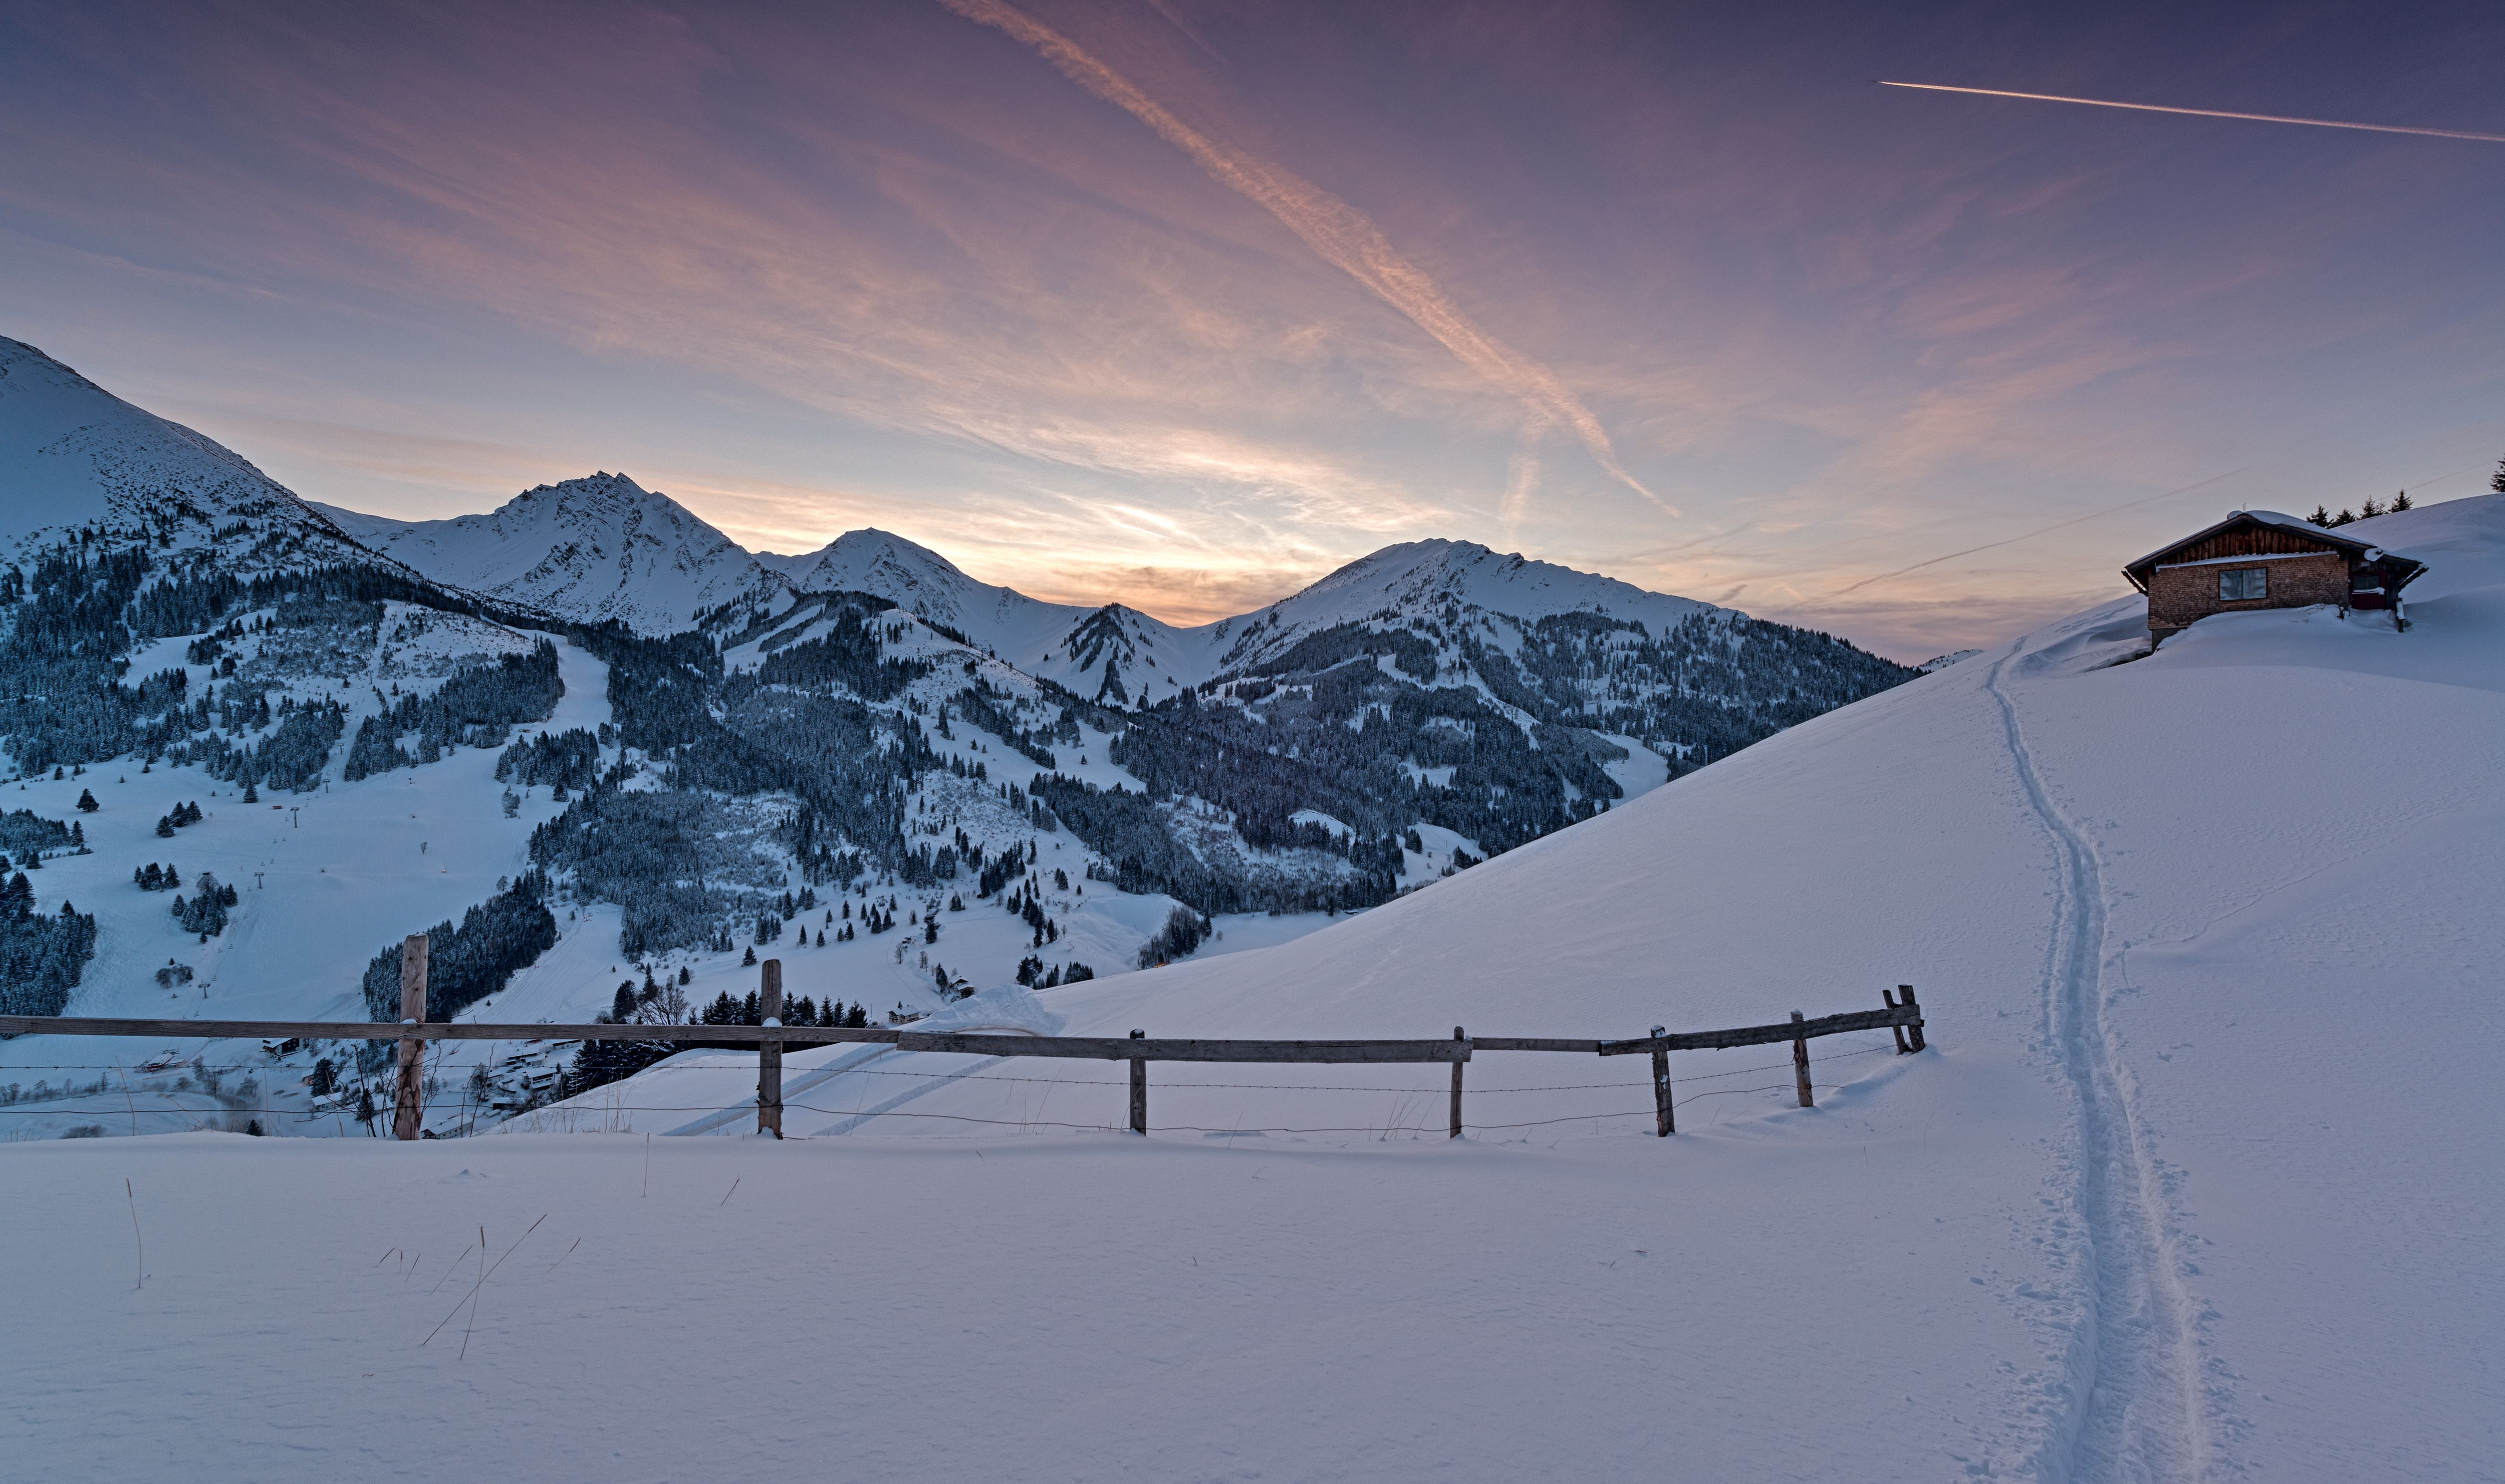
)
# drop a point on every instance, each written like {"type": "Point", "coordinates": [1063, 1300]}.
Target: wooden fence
{"type": "Point", "coordinates": [1901, 1014]}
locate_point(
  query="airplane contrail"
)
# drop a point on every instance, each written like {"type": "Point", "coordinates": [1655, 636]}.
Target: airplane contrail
{"type": "Point", "coordinates": [2028, 537]}
{"type": "Point", "coordinates": [2203, 113]}
{"type": "Point", "coordinates": [1342, 235]}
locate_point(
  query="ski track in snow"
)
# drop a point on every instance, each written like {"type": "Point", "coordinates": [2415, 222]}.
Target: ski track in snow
{"type": "Point", "coordinates": [2137, 1415]}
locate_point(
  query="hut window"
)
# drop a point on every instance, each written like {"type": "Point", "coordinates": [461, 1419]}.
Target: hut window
{"type": "Point", "coordinates": [2244, 582]}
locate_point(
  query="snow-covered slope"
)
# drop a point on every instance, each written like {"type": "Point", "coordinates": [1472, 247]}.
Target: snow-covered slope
{"type": "Point", "coordinates": [2195, 1183]}
{"type": "Point", "coordinates": [923, 582]}
{"type": "Point", "coordinates": [596, 548]}
{"type": "Point", "coordinates": [1073, 646]}
{"type": "Point", "coordinates": [1432, 582]}
{"type": "Point", "coordinates": [74, 458]}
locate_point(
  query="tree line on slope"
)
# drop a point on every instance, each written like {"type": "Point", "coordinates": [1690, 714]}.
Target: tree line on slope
{"type": "Point", "coordinates": [465, 964]}
{"type": "Point", "coordinates": [41, 955]}
{"type": "Point", "coordinates": [476, 704]}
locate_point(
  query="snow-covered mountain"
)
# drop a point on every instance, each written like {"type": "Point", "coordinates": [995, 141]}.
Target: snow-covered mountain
{"type": "Point", "coordinates": [1073, 646]}
{"type": "Point", "coordinates": [1122, 656]}
{"type": "Point", "coordinates": [592, 549]}
{"type": "Point", "coordinates": [1420, 584]}
{"type": "Point", "coordinates": [767, 737]}
{"type": "Point", "coordinates": [77, 461]}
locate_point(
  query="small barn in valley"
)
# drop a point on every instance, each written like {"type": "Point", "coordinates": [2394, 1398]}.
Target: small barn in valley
{"type": "Point", "coordinates": [2261, 559]}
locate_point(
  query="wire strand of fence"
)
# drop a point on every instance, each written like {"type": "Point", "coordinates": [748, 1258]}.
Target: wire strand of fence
{"type": "Point", "coordinates": [1071, 1082]}
{"type": "Point", "coordinates": [606, 1110]}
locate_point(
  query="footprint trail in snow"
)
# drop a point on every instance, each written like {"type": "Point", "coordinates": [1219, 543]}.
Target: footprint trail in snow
{"type": "Point", "coordinates": [2136, 1410]}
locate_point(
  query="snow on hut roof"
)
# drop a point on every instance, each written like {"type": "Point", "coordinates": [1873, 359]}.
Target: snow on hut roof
{"type": "Point", "coordinates": [2363, 551]}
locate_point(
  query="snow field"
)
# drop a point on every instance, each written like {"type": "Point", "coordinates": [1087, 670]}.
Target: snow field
{"type": "Point", "coordinates": [1079, 1308]}
{"type": "Point", "coordinates": [2196, 1182]}
{"type": "Point", "coordinates": [2203, 941]}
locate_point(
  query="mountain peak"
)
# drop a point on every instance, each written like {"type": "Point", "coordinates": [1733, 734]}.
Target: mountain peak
{"type": "Point", "coordinates": [852, 561]}
{"type": "Point", "coordinates": [596, 547]}
{"type": "Point", "coordinates": [601, 488]}
{"type": "Point", "coordinates": [75, 459]}
{"type": "Point", "coordinates": [1440, 578]}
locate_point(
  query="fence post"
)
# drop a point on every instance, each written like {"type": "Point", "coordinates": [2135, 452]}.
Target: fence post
{"type": "Point", "coordinates": [769, 1054]}
{"type": "Point", "coordinates": [1664, 1123]}
{"type": "Point", "coordinates": [1456, 1088]}
{"type": "Point", "coordinates": [1887, 997]}
{"type": "Point", "coordinates": [1139, 1090]}
{"type": "Point", "coordinates": [1913, 1032]}
{"type": "Point", "coordinates": [1800, 1066]}
{"type": "Point", "coordinates": [408, 1107]}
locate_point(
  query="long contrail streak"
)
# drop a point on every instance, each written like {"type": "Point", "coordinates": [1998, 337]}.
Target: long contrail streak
{"type": "Point", "coordinates": [2028, 537]}
{"type": "Point", "coordinates": [2203, 113]}
{"type": "Point", "coordinates": [1339, 233]}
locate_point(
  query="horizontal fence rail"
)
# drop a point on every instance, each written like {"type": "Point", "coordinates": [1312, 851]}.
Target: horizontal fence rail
{"type": "Point", "coordinates": [1144, 1048]}
{"type": "Point", "coordinates": [1795, 1029]}
{"type": "Point", "coordinates": [1902, 1014]}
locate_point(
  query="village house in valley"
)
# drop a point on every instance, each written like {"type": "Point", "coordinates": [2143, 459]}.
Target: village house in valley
{"type": "Point", "coordinates": [2260, 559]}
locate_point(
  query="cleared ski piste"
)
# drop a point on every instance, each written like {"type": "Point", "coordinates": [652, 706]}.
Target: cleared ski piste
{"type": "Point", "coordinates": [2198, 1181]}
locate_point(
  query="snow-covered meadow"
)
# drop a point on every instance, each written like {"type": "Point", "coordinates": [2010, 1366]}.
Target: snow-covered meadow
{"type": "Point", "coordinates": [2196, 1182]}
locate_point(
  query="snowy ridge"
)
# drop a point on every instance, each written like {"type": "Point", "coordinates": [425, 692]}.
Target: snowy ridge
{"type": "Point", "coordinates": [918, 579]}
{"type": "Point", "coordinates": [1119, 655]}
{"type": "Point", "coordinates": [591, 549]}
{"type": "Point", "coordinates": [1063, 643]}
{"type": "Point", "coordinates": [75, 458]}
{"type": "Point", "coordinates": [1427, 581]}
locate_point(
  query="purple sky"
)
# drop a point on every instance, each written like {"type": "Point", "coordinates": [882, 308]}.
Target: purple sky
{"type": "Point", "coordinates": [1185, 303]}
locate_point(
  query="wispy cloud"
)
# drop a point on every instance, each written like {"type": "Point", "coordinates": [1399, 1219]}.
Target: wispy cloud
{"type": "Point", "coordinates": [1341, 235]}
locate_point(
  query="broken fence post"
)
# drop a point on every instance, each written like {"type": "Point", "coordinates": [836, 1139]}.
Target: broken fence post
{"type": "Point", "coordinates": [1664, 1123]}
{"type": "Point", "coordinates": [1913, 1032]}
{"type": "Point", "coordinates": [1138, 1090]}
{"type": "Point", "coordinates": [1887, 997]}
{"type": "Point", "coordinates": [1456, 1089]}
{"type": "Point", "coordinates": [1800, 1066]}
{"type": "Point", "coordinates": [408, 1107]}
{"type": "Point", "coordinates": [769, 1054]}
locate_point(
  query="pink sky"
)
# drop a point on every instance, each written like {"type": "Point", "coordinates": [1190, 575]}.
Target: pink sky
{"type": "Point", "coordinates": [1183, 304]}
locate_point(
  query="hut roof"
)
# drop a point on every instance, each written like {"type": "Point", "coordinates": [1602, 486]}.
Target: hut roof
{"type": "Point", "coordinates": [2399, 569]}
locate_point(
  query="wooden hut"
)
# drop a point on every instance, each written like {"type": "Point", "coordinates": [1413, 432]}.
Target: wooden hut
{"type": "Point", "coordinates": [2261, 559]}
